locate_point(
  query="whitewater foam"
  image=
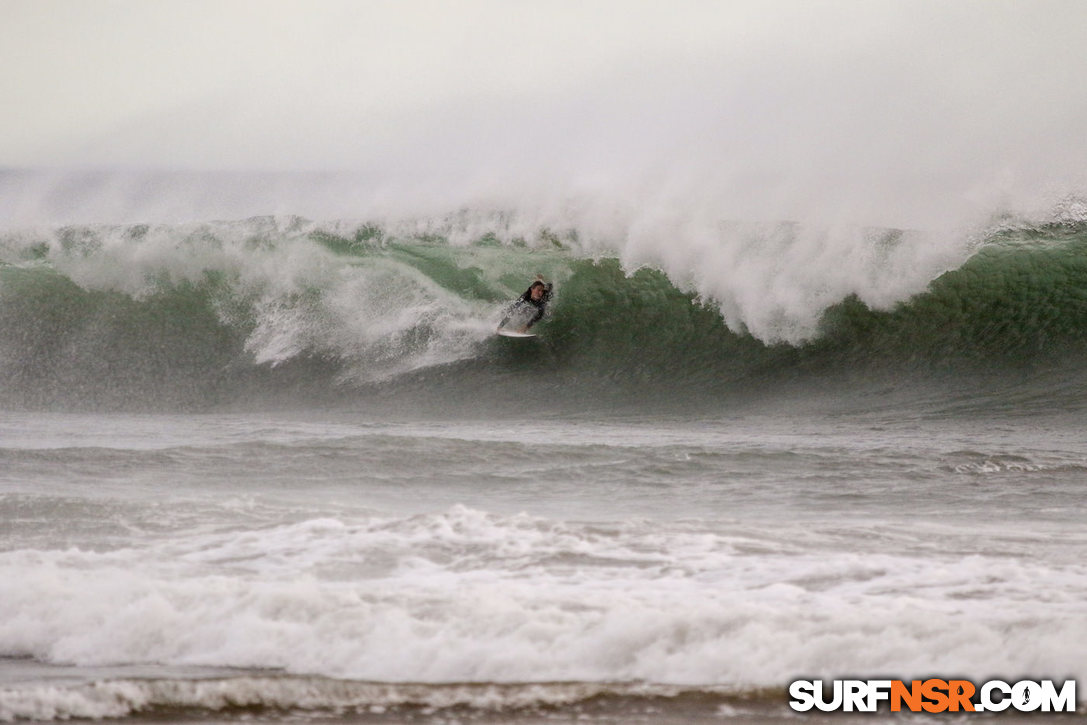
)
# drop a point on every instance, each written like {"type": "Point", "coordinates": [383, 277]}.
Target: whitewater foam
{"type": "Point", "coordinates": [465, 596]}
{"type": "Point", "coordinates": [120, 697]}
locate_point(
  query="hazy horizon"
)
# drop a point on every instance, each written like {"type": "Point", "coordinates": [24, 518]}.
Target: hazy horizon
{"type": "Point", "coordinates": [907, 113]}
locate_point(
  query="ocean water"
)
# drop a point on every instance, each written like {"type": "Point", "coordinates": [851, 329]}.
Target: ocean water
{"type": "Point", "coordinates": [278, 469]}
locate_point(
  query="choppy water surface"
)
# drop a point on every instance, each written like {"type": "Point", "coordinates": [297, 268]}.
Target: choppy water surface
{"type": "Point", "coordinates": [270, 468]}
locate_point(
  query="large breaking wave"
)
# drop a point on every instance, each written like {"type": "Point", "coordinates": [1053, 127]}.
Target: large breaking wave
{"type": "Point", "coordinates": [277, 308]}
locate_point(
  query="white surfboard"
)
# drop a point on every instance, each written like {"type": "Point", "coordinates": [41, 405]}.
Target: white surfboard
{"type": "Point", "coordinates": [514, 333]}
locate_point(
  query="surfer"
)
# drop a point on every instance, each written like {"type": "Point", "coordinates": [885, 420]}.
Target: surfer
{"type": "Point", "coordinates": [536, 296]}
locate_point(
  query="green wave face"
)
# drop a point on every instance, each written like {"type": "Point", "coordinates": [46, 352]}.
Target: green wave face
{"type": "Point", "coordinates": [263, 312]}
{"type": "Point", "coordinates": [1011, 304]}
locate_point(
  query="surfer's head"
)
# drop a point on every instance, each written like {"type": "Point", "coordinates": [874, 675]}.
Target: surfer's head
{"type": "Point", "coordinates": [536, 290]}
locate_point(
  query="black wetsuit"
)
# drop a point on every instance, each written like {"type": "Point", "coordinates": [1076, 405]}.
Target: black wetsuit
{"type": "Point", "coordinates": [526, 299]}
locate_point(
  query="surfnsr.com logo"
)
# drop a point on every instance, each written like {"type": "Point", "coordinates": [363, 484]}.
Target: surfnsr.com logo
{"type": "Point", "coordinates": [932, 695]}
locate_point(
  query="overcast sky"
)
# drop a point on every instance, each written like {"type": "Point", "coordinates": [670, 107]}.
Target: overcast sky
{"type": "Point", "coordinates": [974, 99]}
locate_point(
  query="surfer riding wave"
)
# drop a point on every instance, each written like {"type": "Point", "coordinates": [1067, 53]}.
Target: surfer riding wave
{"type": "Point", "coordinates": [532, 304]}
